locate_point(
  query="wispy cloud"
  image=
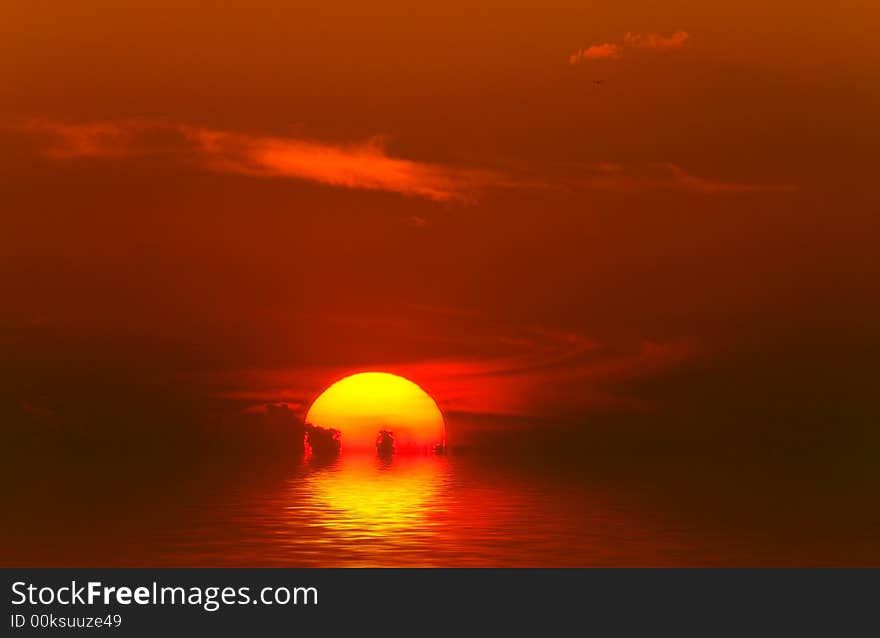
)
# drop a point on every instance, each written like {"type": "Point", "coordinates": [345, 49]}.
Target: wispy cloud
{"type": "Point", "coordinates": [90, 139]}
{"type": "Point", "coordinates": [596, 52]}
{"type": "Point", "coordinates": [531, 371]}
{"type": "Point", "coordinates": [656, 41]}
{"type": "Point", "coordinates": [606, 176]}
{"type": "Point", "coordinates": [611, 51]}
{"type": "Point", "coordinates": [417, 221]}
{"type": "Point", "coordinates": [362, 165]}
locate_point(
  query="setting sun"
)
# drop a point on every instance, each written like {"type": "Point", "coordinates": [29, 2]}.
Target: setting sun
{"type": "Point", "coordinates": [362, 404]}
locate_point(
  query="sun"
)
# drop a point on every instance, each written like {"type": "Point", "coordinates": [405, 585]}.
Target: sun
{"type": "Point", "coordinates": [362, 404]}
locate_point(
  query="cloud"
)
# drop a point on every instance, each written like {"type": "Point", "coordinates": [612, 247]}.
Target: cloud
{"type": "Point", "coordinates": [40, 413]}
{"type": "Point", "coordinates": [417, 221]}
{"type": "Point", "coordinates": [361, 165]}
{"type": "Point", "coordinates": [607, 176]}
{"type": "Point", "coordinates": [685, 181]}
{"type": "Point", "coordinates": [656, 41]}
{"type": "Point", "coordinates": [91, 139]}
{"type": "Point", "coordinates": [364, 165]}
{"type": "Point", "coordinates": [611, 51]}
{"type": "Point", "coordinates": [596, 52]}
{"type": "Point", "coordinates": [491, 369]}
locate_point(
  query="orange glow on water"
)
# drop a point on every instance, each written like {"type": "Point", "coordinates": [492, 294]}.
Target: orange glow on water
{"type": "Point", "coordinates": [362, 404]}
{"type": "Point", "coordinates": [373, 498]}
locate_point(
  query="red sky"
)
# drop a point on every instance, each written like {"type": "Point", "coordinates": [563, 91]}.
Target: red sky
{"type": "Point", "coordinates": [547, 210]}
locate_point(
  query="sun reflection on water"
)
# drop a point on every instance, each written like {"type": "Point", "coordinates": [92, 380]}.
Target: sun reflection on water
{"type": "Point", "coordinates": [365, 496]}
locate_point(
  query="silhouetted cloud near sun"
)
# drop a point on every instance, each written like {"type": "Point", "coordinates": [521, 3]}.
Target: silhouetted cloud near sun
{"type": "Point", "coordinates": [492, 367]}
{"type": "Point", "coordinates": [611, 51]}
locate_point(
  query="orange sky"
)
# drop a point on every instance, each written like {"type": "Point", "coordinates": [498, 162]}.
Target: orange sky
{"type": "Point", "coordinates": [548, 210]}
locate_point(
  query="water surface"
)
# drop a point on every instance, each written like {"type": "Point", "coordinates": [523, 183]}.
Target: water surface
{"type": "Point", "coordinates": [457, 510]}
